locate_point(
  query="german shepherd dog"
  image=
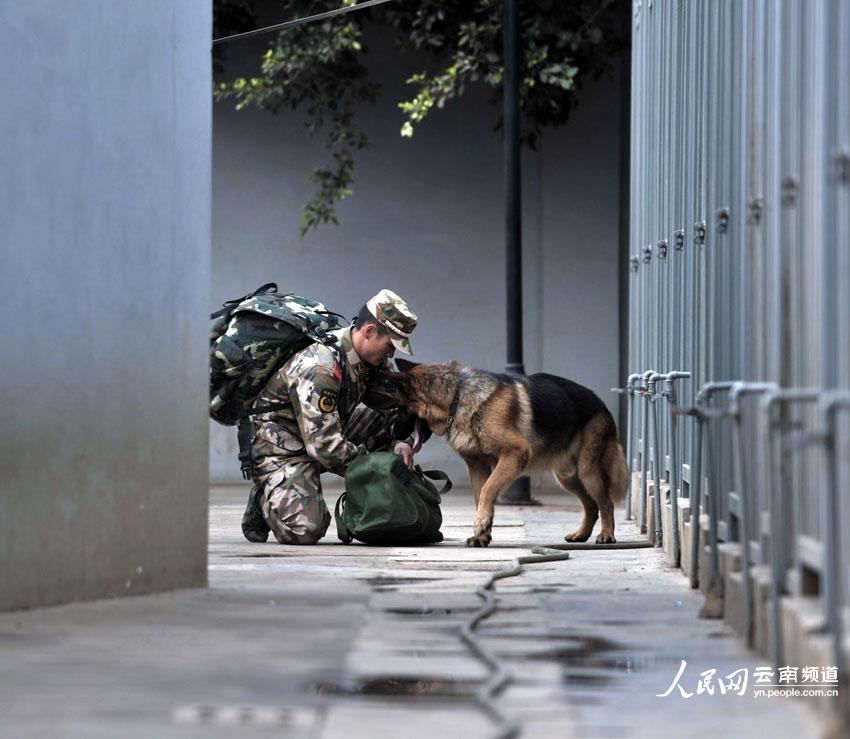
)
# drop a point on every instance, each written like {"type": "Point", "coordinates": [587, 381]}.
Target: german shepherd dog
{"type": "Point", "coordinates": [504, 426]}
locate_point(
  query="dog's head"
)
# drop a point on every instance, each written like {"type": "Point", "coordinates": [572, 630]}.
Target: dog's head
{"type": "Point", "coordinates": [417, 386]}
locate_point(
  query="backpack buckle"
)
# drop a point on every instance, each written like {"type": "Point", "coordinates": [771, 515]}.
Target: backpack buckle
{"type": "Point", "coordinates": [247, 466]}
{"type": "Point", "coordinates": [243, 435]}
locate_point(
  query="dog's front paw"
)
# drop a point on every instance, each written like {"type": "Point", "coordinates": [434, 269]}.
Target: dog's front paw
{"type": "Point", "coordinates": [480, 540]}
{"type": "Point", "coordinates": [605, 538]}
{"type": "Point", "coordinates": [577, 535]}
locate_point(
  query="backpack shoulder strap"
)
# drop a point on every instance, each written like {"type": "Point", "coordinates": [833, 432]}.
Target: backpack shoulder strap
{"type": "Point", "coordinates": [331, 343]}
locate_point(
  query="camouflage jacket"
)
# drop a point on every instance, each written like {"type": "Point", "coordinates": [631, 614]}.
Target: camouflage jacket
{"type": "Point", "coordinates": [319, 393]}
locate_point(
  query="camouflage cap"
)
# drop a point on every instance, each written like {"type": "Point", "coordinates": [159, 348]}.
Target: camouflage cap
{"type": "Point", "coordinates": [394, 314]}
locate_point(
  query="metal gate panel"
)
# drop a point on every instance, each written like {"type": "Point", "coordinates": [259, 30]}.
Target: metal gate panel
{"type": "Point", "coordinates": [739, 265]}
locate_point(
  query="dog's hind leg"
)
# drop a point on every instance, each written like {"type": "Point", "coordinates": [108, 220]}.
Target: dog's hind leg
{"type": "Point", "coordinates": [572, 484]}
{"type": "Point", "coordinates": [507, 469]}
{"type": "Point", "coordinates": [592, 480]}
{"type": "Point", "coordinates": [592, 474]}
{"type": "Point", "coordinates": [478, 471]}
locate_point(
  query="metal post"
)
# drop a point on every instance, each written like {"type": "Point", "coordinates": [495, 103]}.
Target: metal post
{"type": "Point", "coordinates": [513, 192]}
{"type": "Point", "coordinates": [675, 466]}
{"type": "Point", "coordinates": [713, 509]}
{"type": "Point", "coordinates": [738, 464]}
{"type": "Point", "coordinates": [739, 389]}
{"type": "Point", "coordinates": [644, 472]}
{"type": "Point", "coordinates": [696, 492]}
{"type": "Point", "coordinates": [776, 490]}
{"type": "Point", "coordinates": [777, 532]}
{"type": "Point", "coordinates": [656, 455]}
{"type": "Point", "coordinates": [630, 389]}
{"type": "Point", "coordinates": [674, 483]}
{"type": "Point", "coordinates": [701, 413]}
{"type": "Point", "coordinates": [519, 493]}
{"type": "Point", "coordinates": [832, 402]}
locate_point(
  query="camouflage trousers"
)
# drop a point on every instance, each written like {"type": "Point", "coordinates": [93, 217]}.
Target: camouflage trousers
{"type": "Point", "coordinates": [291, 498]}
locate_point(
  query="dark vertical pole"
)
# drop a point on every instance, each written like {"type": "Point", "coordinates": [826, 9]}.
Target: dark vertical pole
{"type": "Point", "coordinates": [519, 491]}
{"type": "Point", "coordinates": [623, 251]}
{"type": "Point", "coordinates": [513, 187]}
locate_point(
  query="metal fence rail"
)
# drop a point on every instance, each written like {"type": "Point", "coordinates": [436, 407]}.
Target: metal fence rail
{"type": "Point", "coordinates": [739, 300]}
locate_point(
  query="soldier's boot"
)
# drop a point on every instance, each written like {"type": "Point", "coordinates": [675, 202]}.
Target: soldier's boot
{"type": "Point", "coordinates": [254, 526]}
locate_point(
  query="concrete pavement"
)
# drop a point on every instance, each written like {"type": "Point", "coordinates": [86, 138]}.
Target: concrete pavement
{"type": "Point", "coordinates": [353, 641]}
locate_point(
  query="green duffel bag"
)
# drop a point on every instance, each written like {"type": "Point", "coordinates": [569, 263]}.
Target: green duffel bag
{"type": "Point", "coordinates": [387, 504]}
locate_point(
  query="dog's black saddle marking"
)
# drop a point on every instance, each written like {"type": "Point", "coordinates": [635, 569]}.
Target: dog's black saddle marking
{"type": "Point", "coordinates": [561, 406]}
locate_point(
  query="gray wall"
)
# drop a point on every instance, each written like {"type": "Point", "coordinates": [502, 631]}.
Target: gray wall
{"type": "Point", "coordinates": [426, 220]}
{"type": "Point", "coordinates": [105, 197]}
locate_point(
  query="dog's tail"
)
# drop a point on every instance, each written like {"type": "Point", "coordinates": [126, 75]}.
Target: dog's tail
{"type": "Point", "coordinates": [614, 462]}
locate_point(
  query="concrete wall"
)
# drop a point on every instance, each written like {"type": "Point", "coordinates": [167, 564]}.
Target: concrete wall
{"type": "Point", "coordinates": [426, 220]}
{"type": "Point", "coordinates": [104, 225]}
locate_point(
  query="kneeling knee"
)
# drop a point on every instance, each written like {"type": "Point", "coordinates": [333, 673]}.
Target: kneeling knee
{"type": "Point", "coordinates": [309, 533]}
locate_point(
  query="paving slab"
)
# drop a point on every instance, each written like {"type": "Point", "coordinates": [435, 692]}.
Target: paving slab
{"type": "Point", "coordinates": [348, 641]}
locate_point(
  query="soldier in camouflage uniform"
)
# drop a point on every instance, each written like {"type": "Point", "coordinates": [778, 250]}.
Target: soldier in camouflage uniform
{"type": "Point", "coordinates": [322, 426]}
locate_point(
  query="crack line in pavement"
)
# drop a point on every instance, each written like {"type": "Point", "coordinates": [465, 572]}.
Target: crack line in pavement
{"type": "Point", "coordinates": [500, 675]}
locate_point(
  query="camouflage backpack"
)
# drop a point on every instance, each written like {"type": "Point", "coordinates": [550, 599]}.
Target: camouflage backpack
{"type": "Point", "coordinates": [250, 338]}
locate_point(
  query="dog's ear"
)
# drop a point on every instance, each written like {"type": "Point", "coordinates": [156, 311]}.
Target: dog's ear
{"type": "Point", "coordinates": [389, 390]}
{"type": "Point", "coordinates": [404, 365]}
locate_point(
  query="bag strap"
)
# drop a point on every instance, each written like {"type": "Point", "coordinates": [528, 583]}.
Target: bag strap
{"type": "Point", "coordinates": [436, 475]}
{"type": "Point", "coordinates": [244, 435]}
{"type": "Point", "coordinates": [269, 287]}
{"type": "Point", "coordinates": [260, 409]}
{"type": "Point", "coordinates": [331, 313]}
{"type": "Point", "coordinates": [342, 531]}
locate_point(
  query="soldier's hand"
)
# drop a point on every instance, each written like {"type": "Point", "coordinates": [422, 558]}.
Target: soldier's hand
{"type": "Point", "coordinates": [404, 451]}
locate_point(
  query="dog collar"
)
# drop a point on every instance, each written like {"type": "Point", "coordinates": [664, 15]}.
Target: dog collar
{"type": "Point", "coordinates": [450, 419]}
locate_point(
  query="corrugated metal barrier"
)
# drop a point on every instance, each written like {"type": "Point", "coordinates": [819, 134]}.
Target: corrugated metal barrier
{"type": "Point", "coordinates": [739, 296]}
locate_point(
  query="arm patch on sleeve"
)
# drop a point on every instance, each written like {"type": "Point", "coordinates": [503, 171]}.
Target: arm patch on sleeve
{"type": "Point", "coordinates": [327, 401]}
